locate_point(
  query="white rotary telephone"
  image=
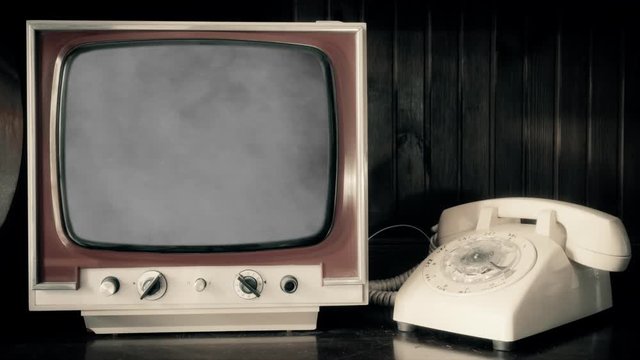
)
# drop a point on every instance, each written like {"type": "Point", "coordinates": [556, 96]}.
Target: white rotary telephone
{"type": "Point", "coordinates": [500, 275]}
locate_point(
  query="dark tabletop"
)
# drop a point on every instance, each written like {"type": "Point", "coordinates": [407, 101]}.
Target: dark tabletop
{"type": "Point", "coordinates": [343, 333]}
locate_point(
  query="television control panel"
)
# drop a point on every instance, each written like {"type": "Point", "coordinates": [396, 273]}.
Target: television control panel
{"type": "Point", "coordinates": [203, 287]}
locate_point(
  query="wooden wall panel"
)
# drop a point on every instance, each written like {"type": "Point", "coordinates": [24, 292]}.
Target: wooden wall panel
{"type": "Point", "coordinates": [539, 75]}
{"type": "Point", "coordinates": [382, 182]}
{"type": "Point", "coordinates": [630, 124]}
{"type": "Point", "coordinates": [604, 113]}
{"type": "Point", "coordinates": [476, 125]}
{"type": "Point", "coordinates": [310, 10]}
{"type": "Point", "coordinates": [470, 100]}
{"type": "Point", "coordinates": [571, 136]}
{"type": "Point", "coordinates": [509, 68]}
{"type": "Point", "coordinates": [409, 68]}
{"type": "Point", "coordinates": [346, 10]}
{"type": "Point", "coordinates": [445, 112]}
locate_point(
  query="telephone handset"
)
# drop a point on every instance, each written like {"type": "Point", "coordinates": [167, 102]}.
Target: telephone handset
{"type": "Point", "coordinates": [513, 267]}
{"type": "Point", "coordinates": [593, 238]}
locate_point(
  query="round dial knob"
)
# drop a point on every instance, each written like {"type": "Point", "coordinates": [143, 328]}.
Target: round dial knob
{"type": "Point", "coordinates": [200, 284]}
{"type": "Point", "coordinates": [109, 286]}
{"type": "Point", "coordinates": [152, 285]}
{"type": "Point", "coordinates": [479, 262]}
{"type": "Point", "coordinates": [248, 284]}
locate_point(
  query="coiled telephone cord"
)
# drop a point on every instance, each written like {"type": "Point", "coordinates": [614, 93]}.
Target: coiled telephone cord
{"type": "Point", "coordinates": [383, 292]}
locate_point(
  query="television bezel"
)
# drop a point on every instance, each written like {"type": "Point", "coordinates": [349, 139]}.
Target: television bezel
{"type": "Point", "coordinates": [63, 218]}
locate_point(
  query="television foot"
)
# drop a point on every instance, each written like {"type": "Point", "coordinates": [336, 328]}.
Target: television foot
{"type": "Point", "coordinates": [502, 345]}
{"type": "Point", "coordinates": [406, 327]}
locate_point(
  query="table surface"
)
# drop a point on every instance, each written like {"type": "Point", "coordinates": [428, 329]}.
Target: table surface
{"type": "Point", "coordinates": [343, 333]}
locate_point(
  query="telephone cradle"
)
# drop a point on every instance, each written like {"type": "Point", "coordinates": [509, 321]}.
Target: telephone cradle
{"type": "Point", "coordinates": [499, 277]}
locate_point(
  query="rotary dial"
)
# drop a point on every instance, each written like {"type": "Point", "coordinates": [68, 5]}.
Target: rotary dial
{"type": "Point", "coordinates": [479, 262]}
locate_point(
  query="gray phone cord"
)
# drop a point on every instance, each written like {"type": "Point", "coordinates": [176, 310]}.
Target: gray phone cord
{"type": "Point", "coordinates": [383, 292]}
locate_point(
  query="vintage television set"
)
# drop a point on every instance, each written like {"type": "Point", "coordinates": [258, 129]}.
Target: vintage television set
{"type": "Point", "coordinates": [196, 176]}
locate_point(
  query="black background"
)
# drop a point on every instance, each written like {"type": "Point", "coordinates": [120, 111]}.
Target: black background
{"type": "Point", "coordinates": [467, 100]}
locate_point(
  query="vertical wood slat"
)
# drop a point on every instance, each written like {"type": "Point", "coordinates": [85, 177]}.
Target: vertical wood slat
{"type": "Point", "coordinates": [631, 134]}
{"type": "Point", "coordinates": [409, 92]}
{"type": "Point", "coordinates": [444, 111]}
{"type": "Point", "coordinates": [556, 107]}
{"type": "Point", "coordinates": [509, 104]}
{"type": "Point", "coordinates": [493, 75]}
{"type": "Point", "coordinates": [602, 175]}
{"type": "Point", "coordinates": [621, 114]}
{"type": "Point", "coordinates": [459, 102]}
{"type": "Point", "coordinates": [476, 89]}
{"type": "Point", "coordinates": [432, 214]}
{"type": "Point", "coordinates": [540, 47]}
{"type": "Point", "coordinates": [382, 197]}
{"type": "Point", "coordinates": [573, 106]}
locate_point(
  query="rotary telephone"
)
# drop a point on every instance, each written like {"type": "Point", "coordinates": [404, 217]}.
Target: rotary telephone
{"type": "Point", "coordinates": [510, 268]}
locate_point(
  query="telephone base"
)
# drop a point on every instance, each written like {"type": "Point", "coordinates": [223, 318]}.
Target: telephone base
{"type": "Point", "coordinates": [554, 292]}
{"type": "Point", "coordinates": [498, 278]}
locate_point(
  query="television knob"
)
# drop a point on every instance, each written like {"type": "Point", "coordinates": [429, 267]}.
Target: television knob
{"type": "Point", "coordinates": [109, 286]}
{"type": "Point", "coordinates": [248, 284]}
{"type": "Point", "coordinates": [200, 284]}
{"type": "Point", "coordinates": [152, 285]}
{"type": "Point", "coordinates": [289, 284]}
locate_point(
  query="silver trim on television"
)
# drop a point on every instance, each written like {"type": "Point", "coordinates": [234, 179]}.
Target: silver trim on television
{"type": "Point", "coordinates": [361, 128]}
{"type": "Point", "coordinates": [53, 147]}
{"type": "Point", "coordinates": [330, 26]}
{"type": "Point", "coordinates": [31, 160]}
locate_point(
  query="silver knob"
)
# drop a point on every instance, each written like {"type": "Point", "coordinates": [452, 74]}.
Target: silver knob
{"type": "Point", "coordinates": [200, 284]}
{"type": "Point", "coordinates": [248, 284]}
{"type": "Point", "coordinates": [109, 286]}
{"type": "Point", "coordinates": [152, 285]}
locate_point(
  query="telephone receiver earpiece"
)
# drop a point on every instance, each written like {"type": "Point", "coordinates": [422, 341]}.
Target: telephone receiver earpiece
{"type": "Point", "coordinates": [593, 238]}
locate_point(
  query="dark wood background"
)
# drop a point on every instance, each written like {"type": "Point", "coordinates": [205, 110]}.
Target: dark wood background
{"type": "Point", "coordinates": [467, 101]}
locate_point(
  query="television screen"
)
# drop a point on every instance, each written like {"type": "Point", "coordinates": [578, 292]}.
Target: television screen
{"type": "Point", "coordinates": [196, 176]}
{"type": "Point", "coordinates": [196, 145]}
